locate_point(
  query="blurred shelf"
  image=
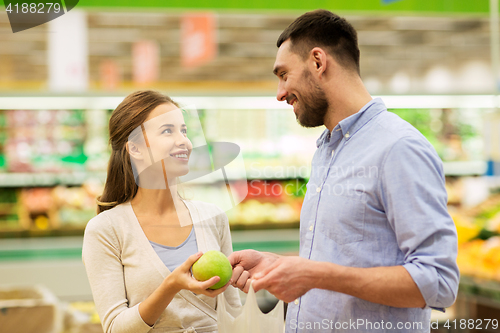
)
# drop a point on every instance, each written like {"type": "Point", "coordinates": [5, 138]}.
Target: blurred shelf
{"type": "Point", "coordinates": [493, 182]}
{"type": "Point", "coordinates": [465, 168]}
{"type": "Point", "coordinates": [18, 232]}
{"type": "Point", "coordinates": [42, 179]}
{"type": "Point", "coordinates": [284, 241]}
{"type": "Point", "coordinates": [110, 102]}
{"type": "Point", "coordinates": [479, 300]}
{"type": "Point", "coordinates": [265, 226]}
{"type": "Point", "coordinates": [12, 233]}
{"type": "Point", "coordinates": [460, 168]}
{"type": "Point", "coordinates": [48, 178]}
{"type": "Point", "coordinates": [92, 102]}
{"type": "Point", "coordinates": [454, 168]}
{"type": "Point", "coordinates": [485, 291]}
{"type": "Point", "coordinates": [40, 248]}
{"type": "Point", "coordinates": [51, 247]}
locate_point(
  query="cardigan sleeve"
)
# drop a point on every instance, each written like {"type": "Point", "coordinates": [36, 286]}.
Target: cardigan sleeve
{"type": "Point", "coordinates": [232, 295]}
{"type": "Point", "coordinates": [101, 256]}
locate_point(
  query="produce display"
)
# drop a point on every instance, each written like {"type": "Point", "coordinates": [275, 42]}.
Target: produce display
{"type": "Point", "coordinates": [479, 239]}
{"type": "Point", "coordinates": [9, 207]}
{"type": "Point", "coordinates": [48, 208]}
{"type": "Point", "coordinates": [53, 140]}
{"type": "Point", "coordinates": [269, 203]}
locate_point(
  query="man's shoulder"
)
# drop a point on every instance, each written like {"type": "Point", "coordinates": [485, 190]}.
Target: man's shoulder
{"type": "Point", "coordinates": [391, 128]}
{"type": "Point", "coordinates": [394, 135]}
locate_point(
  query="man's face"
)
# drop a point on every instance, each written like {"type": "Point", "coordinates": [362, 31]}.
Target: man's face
{"type": "Point", "coordinates": [298, 87]}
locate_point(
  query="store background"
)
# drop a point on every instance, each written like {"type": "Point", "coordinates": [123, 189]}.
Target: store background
{"type": "Point", "coordinates": [431, 61]}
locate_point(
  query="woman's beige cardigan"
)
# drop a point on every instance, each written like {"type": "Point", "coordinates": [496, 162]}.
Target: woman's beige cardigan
{"type": "Point", "coordinates": [124, 269]}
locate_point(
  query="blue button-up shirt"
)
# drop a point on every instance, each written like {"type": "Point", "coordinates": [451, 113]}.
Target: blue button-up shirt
{"type": "Point", "coordinates": [376, 197]}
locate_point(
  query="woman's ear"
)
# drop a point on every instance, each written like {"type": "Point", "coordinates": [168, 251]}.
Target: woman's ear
{"type": "Point", "coordinates": [134, 151]}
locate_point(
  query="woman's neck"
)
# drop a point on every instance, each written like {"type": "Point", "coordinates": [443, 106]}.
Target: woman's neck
{"type": "Point", "coordinates": [156, 202]}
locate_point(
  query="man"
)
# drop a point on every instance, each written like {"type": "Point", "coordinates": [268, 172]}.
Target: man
{"type": "Point", "coordinates": [377, 245]}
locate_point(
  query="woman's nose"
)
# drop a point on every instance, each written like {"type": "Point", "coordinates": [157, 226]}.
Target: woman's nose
{"type": "Point", "coordinates": [181, 140]}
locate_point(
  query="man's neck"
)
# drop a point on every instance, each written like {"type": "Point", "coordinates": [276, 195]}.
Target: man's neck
{"type": "Point", "coordinates": [345, 103]}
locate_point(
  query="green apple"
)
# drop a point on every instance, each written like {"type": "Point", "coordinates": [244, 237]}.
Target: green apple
{"type": "Point", "coordinates": [213, 263]}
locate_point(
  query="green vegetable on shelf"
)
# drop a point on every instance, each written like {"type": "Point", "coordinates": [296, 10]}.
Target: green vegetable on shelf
{"type": "Point", "coordinates": [485, 234]}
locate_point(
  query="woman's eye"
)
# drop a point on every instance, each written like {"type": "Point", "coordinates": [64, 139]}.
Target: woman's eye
{"type": "Point", "coordinates": [184, 131]}
{"type": "Point", "coordinates": [167, 130]}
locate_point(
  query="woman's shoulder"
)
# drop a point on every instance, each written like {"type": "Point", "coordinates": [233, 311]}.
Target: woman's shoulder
{"type": "Point", "coordinates": [106, 229]}
{"type": "Point", "coordinates": [106, 219]}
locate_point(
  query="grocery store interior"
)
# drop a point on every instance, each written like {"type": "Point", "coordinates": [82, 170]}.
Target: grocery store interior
{"type": "Point", "coordinates": [435, 63]}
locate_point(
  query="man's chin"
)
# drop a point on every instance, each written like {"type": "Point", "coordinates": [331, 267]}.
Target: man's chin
{"type": "Point", "coordinates": [307, 124]}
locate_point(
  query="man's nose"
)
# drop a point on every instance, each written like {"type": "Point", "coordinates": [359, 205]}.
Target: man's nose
{"type": "Point", "coordinates": [281, 94]}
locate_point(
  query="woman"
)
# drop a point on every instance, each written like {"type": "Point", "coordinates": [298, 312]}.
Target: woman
{"type": "Point", "coordinates": [139, 249]}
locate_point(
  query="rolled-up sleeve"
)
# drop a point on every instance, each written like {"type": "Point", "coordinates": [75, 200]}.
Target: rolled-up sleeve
{"type": "Point", "coordinates": [412, 190]}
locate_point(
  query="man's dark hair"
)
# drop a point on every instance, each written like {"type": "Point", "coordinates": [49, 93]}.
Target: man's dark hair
{"type": "Point", "coordinates": [322, 28]}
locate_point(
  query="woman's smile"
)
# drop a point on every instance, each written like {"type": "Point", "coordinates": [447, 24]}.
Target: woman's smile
{"type": "Point", "coordinates": [182, 155]}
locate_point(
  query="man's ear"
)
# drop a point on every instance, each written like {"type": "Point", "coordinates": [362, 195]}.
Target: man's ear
{"type": "Point", "coordinates": [319, 61]}
{"type": "Point", "coordinates": [134, 151]}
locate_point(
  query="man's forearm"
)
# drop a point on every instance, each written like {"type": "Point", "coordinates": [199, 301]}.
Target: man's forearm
{"type": "Point", "coordinates": [392, 286]}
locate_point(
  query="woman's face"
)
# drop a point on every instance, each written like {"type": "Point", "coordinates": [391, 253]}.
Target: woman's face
{"type": "Point", "coordinates": [167, 148]}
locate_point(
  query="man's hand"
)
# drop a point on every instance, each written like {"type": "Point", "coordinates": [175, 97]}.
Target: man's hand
{"type": "Point", "coordinates": [287, 278]}
{"type": "Point", "coordinates": [246, 264]}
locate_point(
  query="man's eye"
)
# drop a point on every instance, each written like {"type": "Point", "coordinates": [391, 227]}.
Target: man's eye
{"type": "Point", "coordinates": [282, 75]}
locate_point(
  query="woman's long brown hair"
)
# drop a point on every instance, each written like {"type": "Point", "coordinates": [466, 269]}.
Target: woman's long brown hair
{"type": "Point", "coordinates": [120, 185]}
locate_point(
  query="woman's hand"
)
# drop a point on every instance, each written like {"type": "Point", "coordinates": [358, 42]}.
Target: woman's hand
{"type": "Point", "coordinates": [152, 307]}
{"type": "Point", "coordinates": [181, 278]}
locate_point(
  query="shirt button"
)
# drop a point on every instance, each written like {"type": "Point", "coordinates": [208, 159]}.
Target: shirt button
{"type": "Point", "coordinates": [296, 302]}
{"type": "Point", "coordinates": [311, 228]}
{"type": "Point", "coordinates": [347, 135]}
{"type": "Point", "coordinates": [318, 189]}
{"type": "Point", "coordinates": [333, 152]}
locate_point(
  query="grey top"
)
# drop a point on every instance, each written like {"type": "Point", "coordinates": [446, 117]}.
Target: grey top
{"type": "Point", "coordinates": [173, 257]}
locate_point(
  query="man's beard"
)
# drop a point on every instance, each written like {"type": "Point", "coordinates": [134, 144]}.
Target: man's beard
{"type": "Point", "coordinates": [313, 105]}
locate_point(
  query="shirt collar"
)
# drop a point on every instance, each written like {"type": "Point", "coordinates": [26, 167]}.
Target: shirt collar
{"type": "Point", "coordinates": [350, 125]}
